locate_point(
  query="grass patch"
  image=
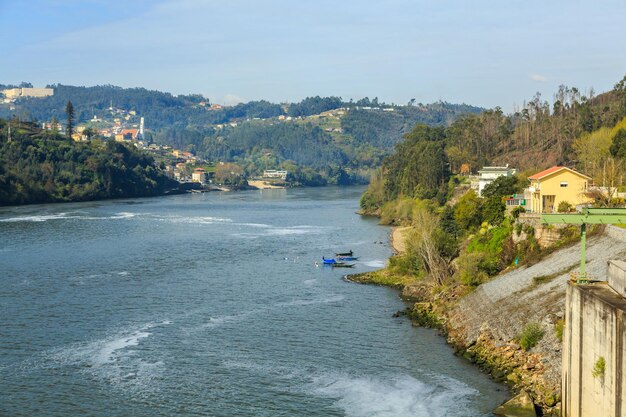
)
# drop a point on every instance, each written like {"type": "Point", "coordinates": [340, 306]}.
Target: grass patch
{"type": "Point", "coordinates": [530, 336]}
{"type": "Point", "coordinates": [383, 277]}
{"type": "Point", "coordinates": [558, 329]}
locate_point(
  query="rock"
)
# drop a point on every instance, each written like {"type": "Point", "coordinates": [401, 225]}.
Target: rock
{"type": "Point", "coordinates": [519, 406]}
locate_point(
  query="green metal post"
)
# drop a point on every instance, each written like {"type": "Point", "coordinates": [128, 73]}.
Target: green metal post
{"type": "Point", "coordinates": [587, 216]}
{"type": "Point", "coordinates": [583, 253]}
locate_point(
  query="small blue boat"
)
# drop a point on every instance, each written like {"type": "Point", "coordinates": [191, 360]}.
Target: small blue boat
{"type": "Point", "coordinates": [328, 261]}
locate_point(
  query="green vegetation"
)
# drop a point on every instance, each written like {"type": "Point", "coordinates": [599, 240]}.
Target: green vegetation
{"type": "Point", "coordinates": [599, 368]}
{"type": "Point", "coordinates": [313, 139]}
{"type": "Point", "coordinates": [40, 167]}
{"type": "Point", "coordinates": [530, 336]}
{"type": "Point", "coordinates": [565, 207]}
{"type": "Point", "coordinates": [461, 239]}
{"type": "Point", "coordinates": [558, 329]}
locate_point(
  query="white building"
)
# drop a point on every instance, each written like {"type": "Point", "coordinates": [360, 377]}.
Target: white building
{"type": "Point", "coordinates": [487, 175]}
{"type": "Point", "coordinates": [273, 173]}
{"type": "Point", "coordinates": [28, 92]}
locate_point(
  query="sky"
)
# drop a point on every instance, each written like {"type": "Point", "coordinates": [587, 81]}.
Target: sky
{"type": "Point", "coordinates": [485, 53]}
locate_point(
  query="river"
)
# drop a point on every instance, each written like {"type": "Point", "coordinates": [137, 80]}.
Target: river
{"type": "Point", "coordinates": [212, 305]}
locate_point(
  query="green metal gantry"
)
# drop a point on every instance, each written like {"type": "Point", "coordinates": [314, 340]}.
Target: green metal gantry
{"type": "Point", "coordinates": [587, 216]}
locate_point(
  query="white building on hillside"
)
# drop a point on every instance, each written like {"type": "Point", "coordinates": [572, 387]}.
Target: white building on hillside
{"type": "Point", "coordinates": [273, 173]}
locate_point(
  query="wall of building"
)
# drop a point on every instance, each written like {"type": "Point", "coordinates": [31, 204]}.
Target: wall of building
{"type": "Point", "coordinates": [28, 92]}
{"type": "Point", "coordinates": [594, 329]}
{"type": "Point", "coordinates": [574, 193]}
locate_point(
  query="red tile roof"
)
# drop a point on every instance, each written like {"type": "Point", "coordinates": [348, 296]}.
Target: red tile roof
{"type": "Point", "coordinates": [552, 170]}
{"type": "Point", "coordinates": [544, 173]}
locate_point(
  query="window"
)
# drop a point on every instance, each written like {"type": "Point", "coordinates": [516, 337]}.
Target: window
{"type": "Point", "coordinates": [563, 183]}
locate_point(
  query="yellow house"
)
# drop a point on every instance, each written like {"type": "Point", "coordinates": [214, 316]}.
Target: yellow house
{"type": "Point", "coordinates": [557, 184]}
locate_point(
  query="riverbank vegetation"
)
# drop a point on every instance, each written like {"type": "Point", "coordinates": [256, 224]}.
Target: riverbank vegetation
{"type": "Point", "coordinates": [39, 166]}
{"type": "Point", "coordinates": [457, 240]}
{"type": "Point", "coordinates": [462, 238]}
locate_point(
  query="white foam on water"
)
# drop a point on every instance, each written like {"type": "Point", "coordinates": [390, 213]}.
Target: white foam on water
{"type": "Point", "coordinates": [123, 273]}
{"type": "Point", "coordinates": [397, 396]}
{"type": "Point", "coordinates": [259, 225]}
{"type": "Point", "coordinates": [63, 216]}
{"type": "Point", "coordinates": [221, 320]}
{"type": "Point", "coordinates": [322, 300]}
{"type": "Point", "coordinates": [122, 215]}
{"type": "Point", "coordinates": [192, 219]}
{"type": "Point", "coordinates": [293, 230]}
{"type": "Point", "coordinates": [37, 219]}
{"type": "Point", "coordinates": [108, 351]}
{"type": "Point", "coordinates": [309, 282]}
{"type": "Point", "coordinates": [114, 360]}
{"type": "Point", "coordinates": [377, 263]}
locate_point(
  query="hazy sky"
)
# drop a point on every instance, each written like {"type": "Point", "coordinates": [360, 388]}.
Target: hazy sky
{"type": "Point", "coordinates": [486, 53]}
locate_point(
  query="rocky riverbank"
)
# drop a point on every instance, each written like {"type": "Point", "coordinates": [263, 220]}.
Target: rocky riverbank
{"type": "Point", "coordinates": [493, 325]}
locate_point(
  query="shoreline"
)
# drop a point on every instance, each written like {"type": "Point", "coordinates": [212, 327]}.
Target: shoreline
{"type": "Point", "coordinates": [520, 371]}
{"type": "Point", "coordinates": [425, 312]}
{"type": "Point", "coordinates": [397, 239]}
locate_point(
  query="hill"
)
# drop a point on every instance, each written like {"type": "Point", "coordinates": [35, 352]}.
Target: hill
{"type": "Point", "coordinates": [321, 135]}
{"type": "Point", "coordinates": [39, 166]}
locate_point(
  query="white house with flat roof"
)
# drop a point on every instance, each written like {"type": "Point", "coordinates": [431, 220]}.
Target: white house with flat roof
{"type": "Point", "coordinates": [487, 175]}
{"type": "Point", "coordinates": [273, 173]}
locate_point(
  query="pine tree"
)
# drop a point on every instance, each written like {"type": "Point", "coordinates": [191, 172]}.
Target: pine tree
{"type": "Point", "coordinates": [69, 111]}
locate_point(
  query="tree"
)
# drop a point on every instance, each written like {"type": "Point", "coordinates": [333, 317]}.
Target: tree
{"type": "Point", "coordinates": [503, 187]}
{"type": "Point", "coordinates": [69, 111]}
{"type": "Point", "coordinates": [89, 132]}
{"type": "Point", "coordinates": [618, 147]}
{"type": "Point", "coordinates": [467, 212]}
{"type": "Point", "coordinates": [54, 125]}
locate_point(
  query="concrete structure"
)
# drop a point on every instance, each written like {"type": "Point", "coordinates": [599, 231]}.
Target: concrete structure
{"type": "Point", "coordinates": [487, 175]}
{"type": "Point", "coordinates": [272, 173]}
{"type": "Point", "coordinates": [28, 92]}
{"type": "Point", "coordinates": [594, 347]}
{"type": "Point", "coordinates": [554, 185]}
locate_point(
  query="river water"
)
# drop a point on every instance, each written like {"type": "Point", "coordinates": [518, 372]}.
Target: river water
{"type": "Point", "coordinates": [211, 305]}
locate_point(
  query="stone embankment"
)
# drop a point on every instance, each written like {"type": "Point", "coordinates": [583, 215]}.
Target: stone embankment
{"type": "Point", "coordinates": [485, 326]}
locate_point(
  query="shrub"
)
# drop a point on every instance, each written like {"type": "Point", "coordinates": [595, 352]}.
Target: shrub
{"type": "Point", "coordinates": [599, 368]}
{"type": "Point", "coordinates": [471, 269]}
{"type": "Point", "coordinates": [517, 211]}
{"type": "Point", "coordinates": [530, 336]}
{"type": "Point", "coordinates": [564, 207]}
{"type": "Point", "coordinates": [406, 264]}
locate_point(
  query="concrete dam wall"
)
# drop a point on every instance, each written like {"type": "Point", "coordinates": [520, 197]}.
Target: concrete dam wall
{"type": "Point", "coordinates": [594, 347]}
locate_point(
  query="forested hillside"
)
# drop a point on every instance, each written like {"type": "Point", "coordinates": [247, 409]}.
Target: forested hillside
{"type": "Point", "coordinates": [575, 130]}
{"type": "Point", "coordinates": [313, 134]}
{"type": "Point", "coordinates": [462, 239]}
{"type": "Point", "coordinates": [39, 167]}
